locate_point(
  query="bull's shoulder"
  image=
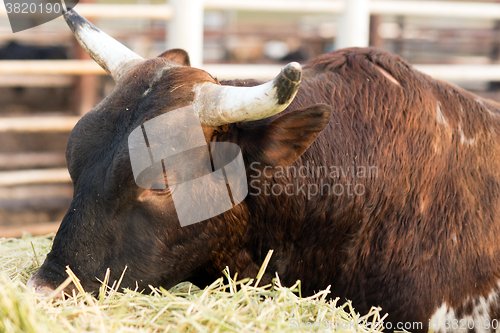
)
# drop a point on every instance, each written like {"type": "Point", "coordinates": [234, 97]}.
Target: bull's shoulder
{"type": "Point", "coordinates": [355, 57]}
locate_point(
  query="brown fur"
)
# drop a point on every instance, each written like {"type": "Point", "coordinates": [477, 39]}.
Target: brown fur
{"type": "Point", "coordinates": [424, 232]}
{"type": "Point", "coordinates": [427, 230]}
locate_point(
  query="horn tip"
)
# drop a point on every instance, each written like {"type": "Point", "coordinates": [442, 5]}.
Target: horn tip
{"type": "Point", "coordinates": [287, 83]}
{"type": "Point", "coordinates": [67, 11]}
{"type": "Point", "coordinates": [77, 22]}
{"type": "Point", "coordinates": [295, 66]}
{"type": "Point", "coordinates": [293, 71]}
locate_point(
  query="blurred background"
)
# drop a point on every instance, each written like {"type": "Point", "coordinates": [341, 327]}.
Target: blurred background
{"type": "Point", "coordinates": [47, 82]}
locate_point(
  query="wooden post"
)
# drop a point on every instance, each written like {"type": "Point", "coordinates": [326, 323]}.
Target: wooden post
{"type": "Point", "coordinates": [354, 24]}
{"type": "Point", "coordinates": [85, 93]}
{"type": "Point", "coordinates": [375, 39]}
{"type": "Point", "coordinates": [495, 53]}
{"type": "Point", "coordinates": [185, 30]}
{"type": "Point", "coordinates": [400, 44]}
{"type": "Point", "coordinates": [85, 89]}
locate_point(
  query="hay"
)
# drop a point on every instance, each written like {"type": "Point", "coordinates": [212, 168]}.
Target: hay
{"type": "Point", "coordinates": [227, 305]}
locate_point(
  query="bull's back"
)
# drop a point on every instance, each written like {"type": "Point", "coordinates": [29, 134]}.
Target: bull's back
{"type": "Point", "coordinates": [424, 235]}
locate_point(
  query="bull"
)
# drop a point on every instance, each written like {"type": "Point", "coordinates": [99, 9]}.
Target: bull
{"type": "Point", "coordinates": [368, 176]}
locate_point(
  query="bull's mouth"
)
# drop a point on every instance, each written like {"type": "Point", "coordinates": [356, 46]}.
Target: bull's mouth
{"type": "Point", "coordinates": [44, 283]}
{"type": "Point", "coordinates": [47, 283]}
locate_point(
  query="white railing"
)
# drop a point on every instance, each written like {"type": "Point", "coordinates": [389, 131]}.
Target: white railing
{"type": "Point", "coordinates": [473, 10]}
{"type": "Point", "coordinates": [455, 73]}
{"type": "Point", "coordinates": [467, 10]}
{"type": "Point", "coordinates": [225, 71]}
{"type": "Point", "coordinates": [464, 10]}
{"type": "Point", "coordinates": [139, 11]}
{"type": "Point", "coordinates": [191, 30]}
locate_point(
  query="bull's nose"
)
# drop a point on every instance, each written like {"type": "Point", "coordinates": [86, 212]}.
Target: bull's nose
{"type": "Point", "coordinates": [41, 289]}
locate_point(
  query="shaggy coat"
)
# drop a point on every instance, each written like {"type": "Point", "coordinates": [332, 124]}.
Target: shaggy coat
{"type": "Point", "coordinates": [377, 180]}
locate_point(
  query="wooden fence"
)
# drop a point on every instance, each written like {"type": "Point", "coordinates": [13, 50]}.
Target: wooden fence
{"type": "Point", "coordinates": [63, 68]}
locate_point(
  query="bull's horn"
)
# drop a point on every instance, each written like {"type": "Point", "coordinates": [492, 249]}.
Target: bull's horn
{"type": "Point", "coordinates": [218, 105]}
{"type": "Point", "coordinates": [112, 56]}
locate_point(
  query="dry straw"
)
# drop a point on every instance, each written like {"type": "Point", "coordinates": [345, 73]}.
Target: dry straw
{"type": "Point", "coordinates": [227, 305]}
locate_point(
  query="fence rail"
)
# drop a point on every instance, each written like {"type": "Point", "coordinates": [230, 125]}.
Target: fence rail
{"type": "Point", "coordinates": [475, 10]}
{"type": "Point", "coordinates": [283, 6]}
{"type": "Point", "coordinates": [467, 10]}
{"type": "Point", "coordinates": [50, 67]}
{"type": "Point", "coordinates": [38, 124]}
{"type": "Point", "coordinates": [139, 11]}
{"type": "Point", "coordinates": [42, 176]}
{"type": "Point", "coordinates": [232, 71]}
{"type": "Point", "coordinates": [471, 10]}
{"type": "Point", "coordinates": [33, 229]}
{"type": "Point", "coordinates": [31, 160]}
{"type": "Point", "coordinates": [36, 80]}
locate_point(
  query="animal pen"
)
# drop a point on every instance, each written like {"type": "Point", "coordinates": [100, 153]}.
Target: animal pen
{"type": "Point", "coordinates": [35, 187]}
{"type": "Point", "coordinates": [34, 177]}
{"type": "Point", "coordinates": [26, 174]}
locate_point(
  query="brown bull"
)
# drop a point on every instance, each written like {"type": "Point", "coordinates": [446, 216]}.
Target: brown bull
{"type": "Point", "coordinates": [370, 177]}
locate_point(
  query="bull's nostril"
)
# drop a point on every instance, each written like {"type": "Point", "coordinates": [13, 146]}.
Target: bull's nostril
{"type": "Point", "coordinates": [41, 289]}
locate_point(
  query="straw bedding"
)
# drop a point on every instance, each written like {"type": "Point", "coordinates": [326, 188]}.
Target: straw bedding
{"type": "Point", "coordinates": [228, 305]}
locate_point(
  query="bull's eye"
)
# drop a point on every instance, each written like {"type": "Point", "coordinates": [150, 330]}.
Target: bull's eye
{"type": "Point", "coordinates": [160, 193]}
{"type": "Point", "coordinates": [166, 191]}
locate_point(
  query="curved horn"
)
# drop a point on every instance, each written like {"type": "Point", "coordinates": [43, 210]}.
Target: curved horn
{"type": "Point", "coordinates": [112, 56]}
{"type": "Point", "coordinates": [218, 105]}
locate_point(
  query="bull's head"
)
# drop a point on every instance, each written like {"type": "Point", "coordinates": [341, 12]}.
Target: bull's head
{"type": "Point", "coordinates": [112, 222]}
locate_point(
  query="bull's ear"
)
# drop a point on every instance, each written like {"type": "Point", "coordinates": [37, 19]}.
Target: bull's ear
{"type": "Point", "coordinates": [286, 137]}
{"type": "Point", "coordinates": [179, 56]}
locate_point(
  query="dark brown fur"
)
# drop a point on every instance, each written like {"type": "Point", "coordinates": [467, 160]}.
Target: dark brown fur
{"type": "Point", "coordinates": [424, 232]}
